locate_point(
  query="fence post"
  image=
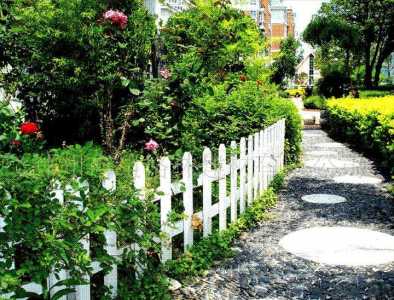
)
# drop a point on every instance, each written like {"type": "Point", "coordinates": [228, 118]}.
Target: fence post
{"type": "Point", "coordinates": [256, 165]}
{"type": "Point", "coordinates": [111, 279]}
{"type": "Point", "coordinates": [234, 182]}
{"type": "Point", "coordinates": [165, 208]}
{"type": "Point", "coordinates": [222, 188]}
{"type": "Point", "coordinates": [207, 191]}
{"type": "Point", "coordinates": [242, 175]}
{"type": "Point", "coordinates": [187, 166]}
{"type": "Point", "coordinates": [250, 170]}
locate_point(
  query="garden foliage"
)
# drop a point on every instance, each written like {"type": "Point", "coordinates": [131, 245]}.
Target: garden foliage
{"type": "Point", "coordinates": [80, 70]}
{"type": "Point", "coordinates": [314, 102]}
{"type": "Point", "coordinates": [75, 67]}
{"type": "Point", "coordinates": [367, 123]}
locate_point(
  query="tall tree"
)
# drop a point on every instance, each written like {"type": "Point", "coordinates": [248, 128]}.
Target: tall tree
{"type": "Point", "coordinates": [359, 27]}
{"type": "Point", "coordinates": [286, 62]}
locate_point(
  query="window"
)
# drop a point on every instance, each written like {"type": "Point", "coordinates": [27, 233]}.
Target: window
{"type": "Point", "coordinates": [311, 68]}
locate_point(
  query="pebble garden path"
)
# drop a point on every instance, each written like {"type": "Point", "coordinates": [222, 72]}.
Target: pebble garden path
{"type": "Point", "coordinates": [262, 269]}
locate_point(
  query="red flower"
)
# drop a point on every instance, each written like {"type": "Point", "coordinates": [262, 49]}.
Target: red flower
{"type": "Point", "coordinates": [242, 77]}
{"type": "Point", "coordinates": [29, 128]}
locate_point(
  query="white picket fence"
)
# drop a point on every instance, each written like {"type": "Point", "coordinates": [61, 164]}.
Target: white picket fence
{"type": "Point", "coordinates": [253, 164]}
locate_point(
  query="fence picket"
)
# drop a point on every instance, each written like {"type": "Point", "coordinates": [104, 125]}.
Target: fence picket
{"type": "Point", "coordinates": [139, 185]}
{"type": "Point", "coordinates": [233, 184]}
{"type": "Point", "coordinates": [250, 170]}
{"type": "Point", "coordinates": [261, 167]}
{"type": "Point", "coordinates": [207, 191]}
{"type": "Point", "coordinates": [222, 188]}
{"type": "Point", "coordinates": [165, 207]}
{"type": "Point", "coordinates": [187, 166]}
{"type": "Point", "coordinates": [242, 175]}
{"type": "Point", "coordinates": [256, 166]}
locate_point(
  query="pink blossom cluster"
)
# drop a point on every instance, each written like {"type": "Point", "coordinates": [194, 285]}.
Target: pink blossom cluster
{"type": "Point", "coordinates": [152, 145]}
{"type": "Point", "coordinates": [165, 73]}
{"type": "Point", "coordinates": [116, 17]}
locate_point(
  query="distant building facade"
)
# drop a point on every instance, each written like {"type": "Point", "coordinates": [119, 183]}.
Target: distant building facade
{"type": "Point", "coordinates": [254, 8]}
{"type": "Point", "coordinates": [164, 9]}
{"type": "Point", "coordinates": [283, 23]}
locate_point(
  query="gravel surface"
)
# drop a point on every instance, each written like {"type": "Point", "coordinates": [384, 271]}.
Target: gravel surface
{"type": "Point", "coordinates": [264, 270]}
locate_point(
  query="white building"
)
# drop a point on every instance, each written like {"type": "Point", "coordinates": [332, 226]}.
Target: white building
{"type": "Point", "coordinates": [253, 8]}
{"type": "Point", "coordinates": [164, 9]}
{"type": "Point", "coordinates": [307, 67]}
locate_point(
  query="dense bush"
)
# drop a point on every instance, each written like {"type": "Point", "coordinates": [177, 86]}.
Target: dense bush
{"type": "Point", "coordinates": [334, 83]}
{"type": "Point", "coordinates": [314, 102]}
{"type": "Point", "coordinates": [215, 36]}
{"type": "Point", "coordinates": [76, 68]}
{"type": "Point", "coordinates": [47, 233]}
{"type": "Point", "coordinates": [224, 117]}
{"type": "Point", "coordinates": [83, 77]}
{"type": "Point", "coordinates": [367, 123]}
{"type": "Point", "coordinates": [374, 93]}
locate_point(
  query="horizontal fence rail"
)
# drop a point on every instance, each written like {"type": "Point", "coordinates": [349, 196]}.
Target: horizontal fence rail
{"type": "Point", "coordinates": [241, 179]}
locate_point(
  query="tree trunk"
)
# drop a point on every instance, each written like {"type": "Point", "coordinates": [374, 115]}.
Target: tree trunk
{"type": "Point", "coordinates": [368, 67]}
{"type": "Point", "coordinates": [368, 76]}
{"type": "Point", "coordinates": [378, 68]}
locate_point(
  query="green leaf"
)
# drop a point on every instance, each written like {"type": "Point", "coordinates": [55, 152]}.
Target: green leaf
{"type": "Point", "coordinates": [135, 92]}
{"type": "Point", "coordinates": [62, 293]}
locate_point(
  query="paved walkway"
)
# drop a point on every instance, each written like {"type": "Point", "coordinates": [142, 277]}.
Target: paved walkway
{"type": "Point", "coordinates": [264, 270]}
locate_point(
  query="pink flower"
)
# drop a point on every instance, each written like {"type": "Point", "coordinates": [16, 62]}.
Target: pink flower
{"type": "Point", "coordinates": [116, 17]}
{"type": "Point", "coordinates": [152, 145]}
{"type": "Point", "coordinates": [165, 73]}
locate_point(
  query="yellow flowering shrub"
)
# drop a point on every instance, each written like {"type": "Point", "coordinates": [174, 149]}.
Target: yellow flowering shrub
{"type": "Point", "coordinates": [294, 92]}
{"type": "Point", "coordinates": [368, 123]}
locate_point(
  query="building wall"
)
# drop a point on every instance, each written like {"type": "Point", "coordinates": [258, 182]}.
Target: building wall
{"type": "Point", "coordinates": [279, 23]}
{"type": "Point", "coordinates": [266, 5]}
{"type": "Point", "coordinates": [290, 23]}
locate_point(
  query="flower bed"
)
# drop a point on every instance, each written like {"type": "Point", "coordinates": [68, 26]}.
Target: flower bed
{"type": "Point", "coordinates": [367, 123]}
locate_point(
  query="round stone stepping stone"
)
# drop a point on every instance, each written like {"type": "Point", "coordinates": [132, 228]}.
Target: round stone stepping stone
{"type": "Point", "coordinates": [330, 145]}
{"type": "Point", "coordinates": [321, 153]}
{"type": "Point", "coordinates": [346, 246]}
{"type": "Point", "coordinates": [330, 163]}
{"type": "Point", "coordinates": [357, 179]}
{"type": "Point", "coordinates": [323, 199]}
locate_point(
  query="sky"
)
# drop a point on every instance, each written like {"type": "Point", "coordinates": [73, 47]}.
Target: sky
{"type": "Point", "coordinates": [304, 10]}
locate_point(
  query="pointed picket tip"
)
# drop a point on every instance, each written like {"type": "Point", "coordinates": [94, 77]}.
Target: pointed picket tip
{"type": "Point", "coordinates": [187, 156]}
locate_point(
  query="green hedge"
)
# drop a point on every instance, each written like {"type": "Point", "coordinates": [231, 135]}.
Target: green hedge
{"type": "Point", "coordinates": [315, 102]}
{"type": "Point", "coordinates": [369, 132]}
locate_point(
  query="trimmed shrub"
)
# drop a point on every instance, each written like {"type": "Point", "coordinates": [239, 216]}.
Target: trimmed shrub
{"type": "Point", "coordinates": [314, 102]}
{"type": "Point", "coordinates": [375, 93]}
{"type": "Point", "coordinates": [366, 123]}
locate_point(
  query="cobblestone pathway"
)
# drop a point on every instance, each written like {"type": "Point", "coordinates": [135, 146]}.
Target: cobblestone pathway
{"type": "Point", "coordinates": [262, 269]}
